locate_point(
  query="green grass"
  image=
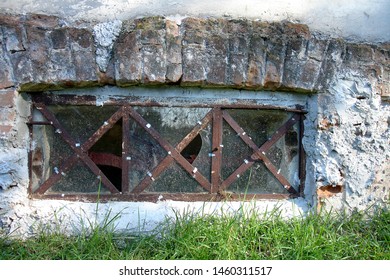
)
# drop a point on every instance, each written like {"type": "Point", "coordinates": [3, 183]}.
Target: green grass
{"type": "Point", "coordinates": [221, 237]}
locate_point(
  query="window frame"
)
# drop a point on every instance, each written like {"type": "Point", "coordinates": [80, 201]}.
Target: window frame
{"type": "Point", "coordinates": [216, 188]}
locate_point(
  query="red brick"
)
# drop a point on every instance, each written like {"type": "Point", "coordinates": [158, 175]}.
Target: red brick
{"type": "Point", "coordinates": [5, 129]}
{"type": "Point", "coordinates": [7, 98]}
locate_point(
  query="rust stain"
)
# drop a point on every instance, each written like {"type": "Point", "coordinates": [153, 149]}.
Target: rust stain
{"type": "Point", "coordinates": [327, 192]}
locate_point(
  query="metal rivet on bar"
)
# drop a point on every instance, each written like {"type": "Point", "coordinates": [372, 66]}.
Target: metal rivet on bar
{"type": "Point", "coordinates": [77, 145]}
{"type": "Point", "coordinates": [278, 171]}
{"type": "Point", "coordinates": [195, 170]}
{"type": "Point", "coordinates": [148, 125]}
{"type": "Point", "coordinates": [286, 186]}
{"type": "Point", "coordinates": [199, 122]}
{"type": "Point", "coordinates": [56, 170]}
{"type": "Point", "coordinates": [150, 175]}
{"type": "Point", "coordinates": [263, 152]}
{"type": "Point", "coordinates": [105, 123]}
{"type": "Point", "coordinates": [99, 177]}
{"type": "Point", "coordinates": [246, 161]}
{"type": "Point", "coordinates": [221, 146]}
{"type": "Point", "coordinates": [293, 119]}
{"type": "Point", "coordinates": [169, 152]}
{"type": "Point", "coordinates": [62, 195]}
{"type": "Point", "coordinates": [58, 131]}
{"type": "Point", "coordinates": [238, 175]}
{"type": "Point", "coordinates": [63, 174]}
{"type": "Point", "coordinates": [128, 158]}
{"type": "Point", "coordinates": [211, 155]}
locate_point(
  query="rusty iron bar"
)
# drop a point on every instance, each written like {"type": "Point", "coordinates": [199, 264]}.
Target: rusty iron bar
{"type": "Point", "coordinates": [55, 99]}
{"type": "Point", "coordinates": [55, 177]}
{"type": "Point", "coordinates": [259, 153]}
{"type": "Point", "coordinates": [216, 160]}
{"type": "Point", "coordinates": [102, 130]}
{"type": "Point", "coordinates": [38, 123]}
{"type": "Point", "coordinates": [170, 149]}
{"type": "Point", "coordinates": [80, 150]}
{"type": "Point", "coordinates": [154, 197]}
{"type": "Point", "coordinates": [125, 151]}
{"type": "Point", "coordinates": [168, 159]}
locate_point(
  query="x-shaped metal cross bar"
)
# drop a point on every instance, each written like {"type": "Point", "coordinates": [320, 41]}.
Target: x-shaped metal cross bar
{"type": "Point", "coordinates": [259, 153]}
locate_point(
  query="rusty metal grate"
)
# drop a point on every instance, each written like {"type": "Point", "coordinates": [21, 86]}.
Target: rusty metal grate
{"type": "Point", "coordinates": [212, 183]}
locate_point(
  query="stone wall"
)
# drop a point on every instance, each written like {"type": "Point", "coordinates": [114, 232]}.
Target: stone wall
{"type": "Point", "coordinates": [347, 84]}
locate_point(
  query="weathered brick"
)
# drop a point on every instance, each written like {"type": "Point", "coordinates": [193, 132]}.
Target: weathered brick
{"type": "Point", "coordinates": [83, 56]}
{"type": "Point", "coordinates": [6, 80]}
{"type": "Point", "coordinates": [256, 62]}
{"type": "Point", "coordinates": [194, 66]}
{"type": "Point", "coordinates": [358, 54]}
{"type": "Point", "coordinates": [303, 63]}
{"type": "Point", "coordinates": [195, 60]}
{"type": "Point", "coordinates": [128, 56]}
{"type": "Point", "coordinates": [152, 37]}
{"type": "Point", "coordinates": [174, 58]}
{"type": "Point", "coordinates": [7, 98]}
{"type": "Point", "coordinates": [217, 53]}
{"type": "Point", "coordinates": [5, 130]}
{"type": "Point", "coordinates": [173, 42]}
{"type": "Point", "coordinates": [276, 50]}
{"type": "Point", "coordinates": [331, 63]}
{"type": "Point", "coordinates": [43, 22]}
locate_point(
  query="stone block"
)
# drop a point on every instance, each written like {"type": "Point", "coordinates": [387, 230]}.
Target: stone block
{"type": "Point", "coordinates": [154, 66]}
{"type": "Point", "coordinates": [256, 62]}
{"type": "Point", "coordinates": [128, 56]}
{"type": "Point", "coordinates": [331, 63]}
{"type": "Point", "coordinates": [237, 70]}
{"type": "Point", "coordinates": [83, 56]}
{"type": "Point", "coordinates": [194, 66]}
{"type": "Point", "coordinates": [173, 50]}
{"type": "Point", "coordinates": [276, 49]}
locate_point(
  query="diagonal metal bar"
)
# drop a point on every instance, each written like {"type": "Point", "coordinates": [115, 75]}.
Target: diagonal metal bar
{"type": "Point", "coordinates": [55, 177]}
{"type": "Point", "coordinates": [80, 151]}
{"type": "Point", "coordinates": [173, 154]}
{"type": "Point", "coordinates": [103, 129]}
{"type": "Point", "coordinates": [259, 153]}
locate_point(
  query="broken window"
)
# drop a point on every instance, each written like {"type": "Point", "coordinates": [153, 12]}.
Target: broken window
{"type": "Point", "coordinates": [145, 151]}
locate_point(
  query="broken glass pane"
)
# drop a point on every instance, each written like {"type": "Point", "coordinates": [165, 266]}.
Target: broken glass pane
{"type": "Point", "coordinates": [235, 151]}
{"type": "Point", "coordinates": [284, 155]}
{"type": "Point", "coordinates": [172, 123]}
{"type": "Point", "coordinates": [202, 160]}
{"type": "Point", "coordinates": [259, 125]}
{"type": "Point", "coordinates": [79, 179]}
{"type": "Point", "coordinates": [49, 152]}
{"type": "Point", "coordinates": [82, 121]}
{"type": "Point", "coordinates": [144, 155]}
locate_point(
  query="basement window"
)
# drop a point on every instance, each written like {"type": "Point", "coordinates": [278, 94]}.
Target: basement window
{"type": "Point", "coordinates": [145, 151]}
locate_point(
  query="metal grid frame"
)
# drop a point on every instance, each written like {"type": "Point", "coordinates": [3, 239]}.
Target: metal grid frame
{"type": "Point", "coordinates": [214, 189]}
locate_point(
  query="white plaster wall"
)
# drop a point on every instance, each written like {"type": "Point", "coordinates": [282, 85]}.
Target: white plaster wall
{"type": "Point", "coordinates": [363, 20]}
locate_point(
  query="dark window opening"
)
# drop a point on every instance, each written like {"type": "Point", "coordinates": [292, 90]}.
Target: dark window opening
{"type": "Point", "coordinates": [128, 151]}
{"type": "Point", "coordinates": [191, 152]}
